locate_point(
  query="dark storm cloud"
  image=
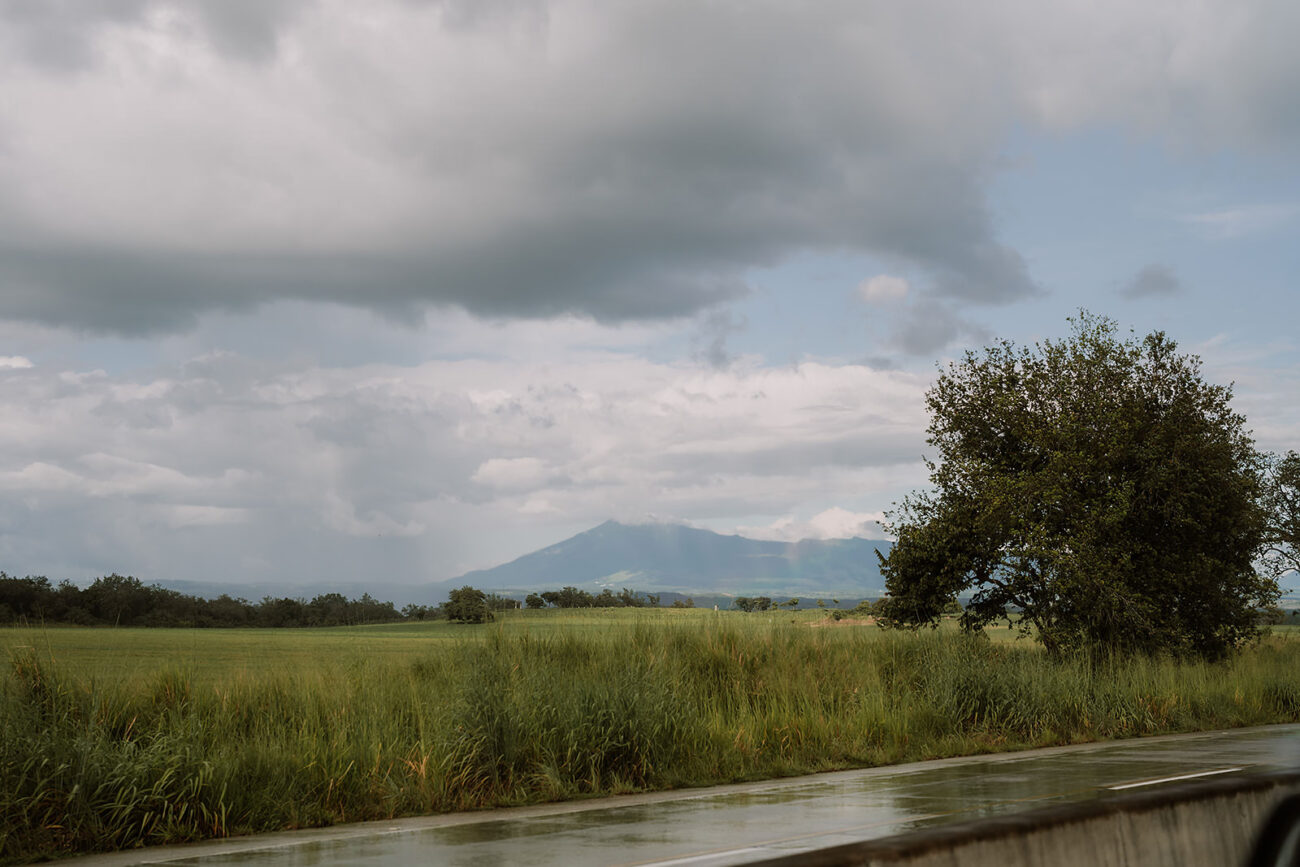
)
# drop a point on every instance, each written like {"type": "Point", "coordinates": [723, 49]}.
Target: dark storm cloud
{"type": "Point", "coordinates": [138, 293]}
{"type": "Point", "coordinates": [458, 157]}
{"type": "Point", "coordinates": [1153, 281]}
{"type": "Point", "coordinates": [527, 159]}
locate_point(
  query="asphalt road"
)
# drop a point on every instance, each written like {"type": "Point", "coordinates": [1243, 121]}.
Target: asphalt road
{"type": "Point", "coordinates": [741, 823]}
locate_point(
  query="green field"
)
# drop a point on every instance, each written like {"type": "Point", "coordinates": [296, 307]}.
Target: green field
{"type": "Point", "coordinates": [125, 737]}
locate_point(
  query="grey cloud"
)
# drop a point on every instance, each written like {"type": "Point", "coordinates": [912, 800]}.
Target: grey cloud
{"type": "Point", "coordinates": [603, 181]}
{"type": "Point", "coordinates": [714, 329]}
{"type": "Point", "coordinates": [1153, 281]}
{"type": "Point", "coordinates": [135, 292]}
{"type": "Point", "coordinates": [886, 446]}
{"type": "Point", "coordinates": [525, 159]}
{"type": "Point", "coordinates": [57, 35]}
{"type": "Point", "coordinates": [929, 326]}
{"type": "Point", "coordinates": [247, 28]}
{"type": "Point", "coordinates": [478, 13]}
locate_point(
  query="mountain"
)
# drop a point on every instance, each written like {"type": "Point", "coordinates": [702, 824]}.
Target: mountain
{"type": "Point", "coordinates": [673, 557]}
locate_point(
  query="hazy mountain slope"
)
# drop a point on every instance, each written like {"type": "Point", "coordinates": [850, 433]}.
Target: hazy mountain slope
{"type": "Point", "coordinates": [655, 557]}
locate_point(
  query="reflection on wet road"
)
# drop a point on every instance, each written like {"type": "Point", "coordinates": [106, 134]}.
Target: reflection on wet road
{"type": "Point", "coordinates": [737, 824]}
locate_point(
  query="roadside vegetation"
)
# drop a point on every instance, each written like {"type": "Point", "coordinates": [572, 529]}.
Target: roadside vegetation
{"type": "Point", "coordinates": [120, 738]}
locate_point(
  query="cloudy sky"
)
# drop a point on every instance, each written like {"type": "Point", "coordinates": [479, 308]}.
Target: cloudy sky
{"type": "Point", "coordinates": [307, 290]}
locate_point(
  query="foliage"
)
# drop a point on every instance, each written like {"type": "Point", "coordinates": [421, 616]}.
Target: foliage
{"type": "Point", "coordinates": [117, 600]}
{"type": "Point", "coordinates": [468, 605]}
{"type": "Point", "coordinates": [870, 608]}
{"type": "Point", "coordinates": [101, 756]}
{"type": "Point", "coordinates": [572, 597]}
{"type": "Point", "coordinates": [534, 601]}
{"type": "Point", "coordinates": [1282, 515]}
{"type": "Point", "coordinates": [496, 602]}
{"type": "Point", "coordinates": [1097, 485]}
{"type": "Point", "coordinates": [413, 611]}
{"type": "Point", "coordinates": [756, 603]}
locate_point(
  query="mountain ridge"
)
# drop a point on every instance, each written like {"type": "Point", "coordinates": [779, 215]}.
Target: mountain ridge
{"type": "Point", "coordinates": [683, 559]}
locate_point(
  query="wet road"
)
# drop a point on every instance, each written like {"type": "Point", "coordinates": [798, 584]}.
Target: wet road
{"type": "Point", "coordinates": [742, 823]}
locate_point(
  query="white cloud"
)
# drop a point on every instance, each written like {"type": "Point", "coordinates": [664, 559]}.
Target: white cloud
{"type": "Point", "coordinates": [14, 362]}
{"type": "Point", "coordinates": [883, 289]}
{"type": "Point", "coordinates": [426, 457]}
{"type": "Point", "coordinates": [833, 523]}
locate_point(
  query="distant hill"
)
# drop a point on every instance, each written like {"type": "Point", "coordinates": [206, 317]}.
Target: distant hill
{"type": "Point", "coordinates": [676, 558]}
{"type": "Point", "coordinates": [398, 594]}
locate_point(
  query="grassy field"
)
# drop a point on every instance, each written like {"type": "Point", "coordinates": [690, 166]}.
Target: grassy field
{"type": "Point", "coordinates": [117, 738]}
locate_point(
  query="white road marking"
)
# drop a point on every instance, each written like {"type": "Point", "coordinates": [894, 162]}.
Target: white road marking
{"type": "Point", "coordinates": [1173, 779]}
{"type": "Point", "coordinates": [709, 856]}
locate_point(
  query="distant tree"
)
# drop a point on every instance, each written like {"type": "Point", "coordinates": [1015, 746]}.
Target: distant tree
{"type": "Point", "coordinates": [1100, 486]}
{"type": "Point", "coordinates": [117, 600]}
{"type": "Point", "coordinates": [418, 612]}
{"type": "Point", "coordinates": [282, 612]}
{"type": "Point", "coordinates": [468, 605]}
{"type": "Point", "coordinates": [631, 599]}
{"type": "Point", "coordinates": [791, 603]}
{"type": "Point", "coordinates": [329, 609]}
{"type": "Point", "coordinates": [26, 597]}
{"type": "Point", "coordinates": [684, 603]}
{"type": "Point", "coordinates": [867, 608]}
{"type": "Point", "coordinates": [69, 606]}
{"type": "Point", "coordinates": [502, 603]}
{"type": "Point", "coordinates": [652, 600]}
{"type": "Point", "coordinates": [534, 601]}
{"type": "Point", "coordinates": [569, 597]}
{"type": "Point", "coordinates": [744, 603]}
{"type": "Point", "coordinates": [1272, 616]}
{"type": "Point", "coordinates": [1282, 515]}
{"type": "Point", "coordinates": [763, 603]}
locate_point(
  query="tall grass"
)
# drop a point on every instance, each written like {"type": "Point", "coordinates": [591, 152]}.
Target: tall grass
{"type": "Point", "coordinates": [512, 717]}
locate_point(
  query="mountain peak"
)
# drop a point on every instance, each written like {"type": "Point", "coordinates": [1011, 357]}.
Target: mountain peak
{"type": "Point", "coordinates": [658, 555]}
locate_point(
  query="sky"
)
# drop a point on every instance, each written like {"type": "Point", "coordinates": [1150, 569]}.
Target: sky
{"type": "Point", "coordinates": [312, 291]}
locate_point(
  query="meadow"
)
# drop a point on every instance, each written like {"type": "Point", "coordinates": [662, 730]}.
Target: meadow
{"type": "Point", "coordinates": [117, 738]}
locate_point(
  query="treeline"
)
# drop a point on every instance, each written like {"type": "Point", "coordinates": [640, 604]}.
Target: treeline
{"type": "Point", "coordinates": [767, 603]}
{"type": "Point", "coordinates": [572, 597]}
{"type": "Point", "coordinates": [117, 600]}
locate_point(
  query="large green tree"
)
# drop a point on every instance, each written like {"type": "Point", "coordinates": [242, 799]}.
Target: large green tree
{"type": "Point", "coordinates": [467, 605]}
{"type": "Point", "coordinates": [1096, 484]}
{"type": "Point", "coordinates": [1282, 515]}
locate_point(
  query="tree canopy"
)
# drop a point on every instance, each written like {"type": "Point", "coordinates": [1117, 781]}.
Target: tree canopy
{"type": "Point", "coordinates": [1282, 515]}
{"type": "Point", "coordinates": [467, 605]}
{"type": "Point", "coordinates": [1097, 485]}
